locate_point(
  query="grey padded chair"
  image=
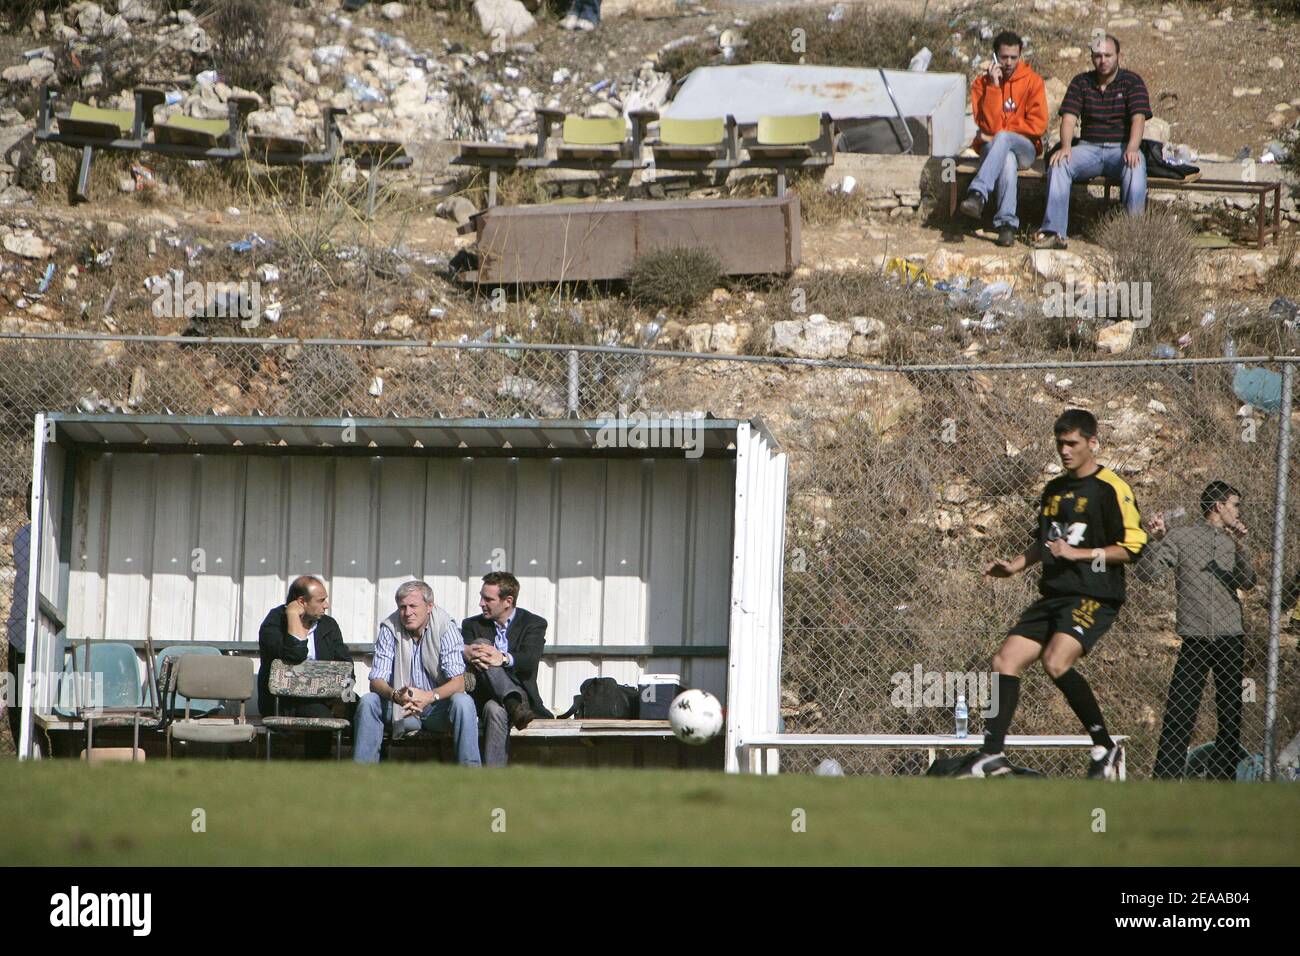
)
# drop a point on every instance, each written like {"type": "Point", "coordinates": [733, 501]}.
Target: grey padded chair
{"type": "Point", "coordinates": [199, 676]}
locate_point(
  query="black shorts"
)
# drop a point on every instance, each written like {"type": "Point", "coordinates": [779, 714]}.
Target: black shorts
{"type": "Point", "coordinates": [1083, 618]}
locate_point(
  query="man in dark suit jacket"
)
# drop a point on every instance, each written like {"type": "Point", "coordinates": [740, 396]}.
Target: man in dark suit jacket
{"type": "Point", "coordinates": [296, 631]}
{"type": "Point", "coordinates": [503, 647]}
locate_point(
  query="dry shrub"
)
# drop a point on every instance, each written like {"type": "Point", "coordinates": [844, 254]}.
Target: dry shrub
{"type": "Point", "coordinates": [249, 40]}
{"type": "Point", "coordinates": [1154, 248]}
{"type": "Point", "coordinates": [864, 37]}
{"type": "Point", "coordinates": [676, 277]}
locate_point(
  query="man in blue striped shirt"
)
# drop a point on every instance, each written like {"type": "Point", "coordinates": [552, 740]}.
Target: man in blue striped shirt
{"type": "Point", "coordinates": [417, 680]}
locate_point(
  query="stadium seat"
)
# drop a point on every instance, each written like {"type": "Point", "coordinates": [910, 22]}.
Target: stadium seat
{"type": "Point", "coordinates": [783, 142]}
{"type": "Point", "coordinates": [696, 144]}
{"type": "Point", "coordinates": [200, 676]}
{"type": "Point", "coordinates": [311, 680]}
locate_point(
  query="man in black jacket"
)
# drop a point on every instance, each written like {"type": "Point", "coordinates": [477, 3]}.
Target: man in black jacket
{"type": "Point", "coordinates": [503, 647]}
{"type": "Point", "coordinates": [296, 631]}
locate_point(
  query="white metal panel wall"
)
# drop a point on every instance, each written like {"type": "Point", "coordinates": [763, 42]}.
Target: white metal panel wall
{"type": "Point", "coordinates": [609, 552]}
{"type": "Point", "coordinates": [754, 665]}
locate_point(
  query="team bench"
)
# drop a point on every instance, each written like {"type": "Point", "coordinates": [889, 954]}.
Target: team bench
{"type": "Point", "coordinates": [634, 742]}
{"type": "Point", "coordinates": [1267, 222]}
{"type": "Point", "coordinates": [767, 744]}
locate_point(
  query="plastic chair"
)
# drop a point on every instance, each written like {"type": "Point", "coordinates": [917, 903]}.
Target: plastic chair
{"type": "Point", "coordinates": [782, 142]}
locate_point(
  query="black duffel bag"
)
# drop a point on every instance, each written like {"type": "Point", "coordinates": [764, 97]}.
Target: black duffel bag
{"type": "Point", "coordinates": [604, 697]}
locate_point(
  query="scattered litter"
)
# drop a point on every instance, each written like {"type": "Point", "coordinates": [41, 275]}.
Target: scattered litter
{"type": "Point", "coordinates": [848, 184]}
{"type": "Point", "coordinates": [1258, 387]}
{"type": "Point", "coordinates": [836, 14]}
{"type": "Point", "coordinates": [364, 92]}
{"type": "Point", "coordinates": [1064, 382]}
{"type": "Point", "coordinates": [45, 280]}
{"type": "Point", "coordinates": [268, 273]}
{"type": "Point", "coordinates": [1208, 318]}
{"type": "Point", "coordinates": [155, 285]}
{"type": "Point", "coordinates": [1184, 340]}
{"type": "Point", "coordinates": [232, 211]}
{"type": "Point", "coordinates": [1164, 351]}
{"type": "Point", "coordinates": [597, 87]}
{"type": "Point", "coordinates": [921, 62]}
{"type": "Point", "coordinates": [830, 767]}
{"type": "Point", "coordinates": [994, 290]}
{"type": "Point", "coordinates": [376, 386]}
{"type": "Point", "coordinates": [273, 311]}
{"type": "Point", "coordinates": [907, 272]}
{"type": "Point", "coordinates": [330, 56]}
{"type": "Point", "coordinates": [248, 244]}
{"type": "Point", "coordinates": [436, 312]}
{"type": "Point", "coordinates": [560, 75]}
{"type": "Point", "coordinates": [173, 97]}
{"type": "Point", "coordinates": [143, 175]}
{"type": "Point", "coordinates": [1285, 311]}
{"type": "Point", "coordinates": [208, 77]}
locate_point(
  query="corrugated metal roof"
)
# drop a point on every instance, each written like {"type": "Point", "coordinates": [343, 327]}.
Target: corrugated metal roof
{"type": "Point", "coordinates": [718, 436]}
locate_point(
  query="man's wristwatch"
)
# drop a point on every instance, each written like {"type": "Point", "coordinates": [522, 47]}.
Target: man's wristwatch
{"type": "Point", "coordinates": [436, 698]}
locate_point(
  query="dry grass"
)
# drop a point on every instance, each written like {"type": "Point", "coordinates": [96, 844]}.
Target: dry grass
{"type": "Point", "coordinates": [864, 37]}
{"type": "Point", "coordinates": [1154, 248]}
{"type": "Point", "coordinates": [249, 40]}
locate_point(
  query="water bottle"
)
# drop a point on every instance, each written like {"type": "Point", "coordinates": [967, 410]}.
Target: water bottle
{"type": "Point", "coordinates": [962, 714]}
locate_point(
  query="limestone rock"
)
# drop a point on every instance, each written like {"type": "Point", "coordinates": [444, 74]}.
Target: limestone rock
{"type": "Point", "coordinates": [1116, 338]}
{"type": "Point", "coordinates": [815, 337]}
{"type": "Point", "coordinates": [510, 17]}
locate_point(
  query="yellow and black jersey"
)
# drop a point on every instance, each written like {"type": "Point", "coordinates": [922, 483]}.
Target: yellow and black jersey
{"type": "Point", "coordinates": [1091, 512]}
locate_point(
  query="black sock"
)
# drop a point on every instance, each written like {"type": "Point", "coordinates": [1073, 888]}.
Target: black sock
{"type": "Point", "coordinates": [995, 728]}
{"type": "Point", "coordinates": [1079, 696]}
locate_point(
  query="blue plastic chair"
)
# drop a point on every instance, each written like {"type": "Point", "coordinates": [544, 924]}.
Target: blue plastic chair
{"type": "Point", "coordinates": [176, 708]}
{"type": "Point", "coordinates": [101, 685]}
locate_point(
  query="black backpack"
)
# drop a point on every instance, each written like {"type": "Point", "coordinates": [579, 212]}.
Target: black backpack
{"type": "Point", "coordinates": [604, 697]}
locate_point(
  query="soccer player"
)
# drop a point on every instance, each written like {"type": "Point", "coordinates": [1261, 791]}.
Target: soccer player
{"type": "Point", "coordinates": [1088, 529]}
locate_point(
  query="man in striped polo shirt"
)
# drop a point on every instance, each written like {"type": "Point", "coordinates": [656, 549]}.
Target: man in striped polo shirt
{"type": "Point", "coordinates": [1107, 108]}
{"type": "Point", "coordinates": [417, 680]}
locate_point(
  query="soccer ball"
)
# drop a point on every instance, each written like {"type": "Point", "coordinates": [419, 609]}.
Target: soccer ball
{"type": "Point", "coordinates": [695, 716]}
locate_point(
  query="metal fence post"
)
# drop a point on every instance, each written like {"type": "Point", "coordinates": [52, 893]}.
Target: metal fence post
{"type": "Point", "coordinates": [1279, 553]}
{"type": "Point", "coordinates": [573, 383]}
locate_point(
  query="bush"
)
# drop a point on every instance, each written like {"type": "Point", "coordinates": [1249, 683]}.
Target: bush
{"type": "Point", "coordinates": [1157, 248]}
{"type": "Point", "coordinates": [675, 278]}
{"type": "Point", "coordinates": [249, 41]}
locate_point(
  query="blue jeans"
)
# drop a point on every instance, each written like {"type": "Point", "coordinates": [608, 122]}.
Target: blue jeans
{"type": "Point", "coordinates": [586, 10]}
{"type": "Point", "coordinates": [455, 713]}
{"type": "Point", "coordinates": [1086, 161]}
{"type": "Point", "coordinates": [1001, 158]}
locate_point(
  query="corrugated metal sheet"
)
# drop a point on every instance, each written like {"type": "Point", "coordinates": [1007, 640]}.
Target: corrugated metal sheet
{"type": "Point", "coordinates": [200, 547]}
{"type": "Point", "coordinates": [756, 89]}
{"type": "Point", "coordinates": [754, 667]}
{"type": "Point", "coordinates": [559, 435]}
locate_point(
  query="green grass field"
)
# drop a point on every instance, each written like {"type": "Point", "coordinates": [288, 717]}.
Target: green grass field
{"type": "Point", "coordinates": [64, 813]}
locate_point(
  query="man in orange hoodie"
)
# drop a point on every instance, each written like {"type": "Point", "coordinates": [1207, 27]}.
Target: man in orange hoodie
{"type": "Point", "coordinates": [1010, 109]}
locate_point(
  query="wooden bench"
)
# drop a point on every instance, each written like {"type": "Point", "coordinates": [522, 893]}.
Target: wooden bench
{"type": "Point", "coordinates": [1266, 224]}
{"type": "Point", "coordinates": [769, 743]}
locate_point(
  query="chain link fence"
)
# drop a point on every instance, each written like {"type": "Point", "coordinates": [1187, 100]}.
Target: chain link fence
{"type": "Point", "coordinates": [903, 484]}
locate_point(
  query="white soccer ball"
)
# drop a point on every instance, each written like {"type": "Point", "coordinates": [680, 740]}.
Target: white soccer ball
{"type": "Point", "coordinates": [695, 716]}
